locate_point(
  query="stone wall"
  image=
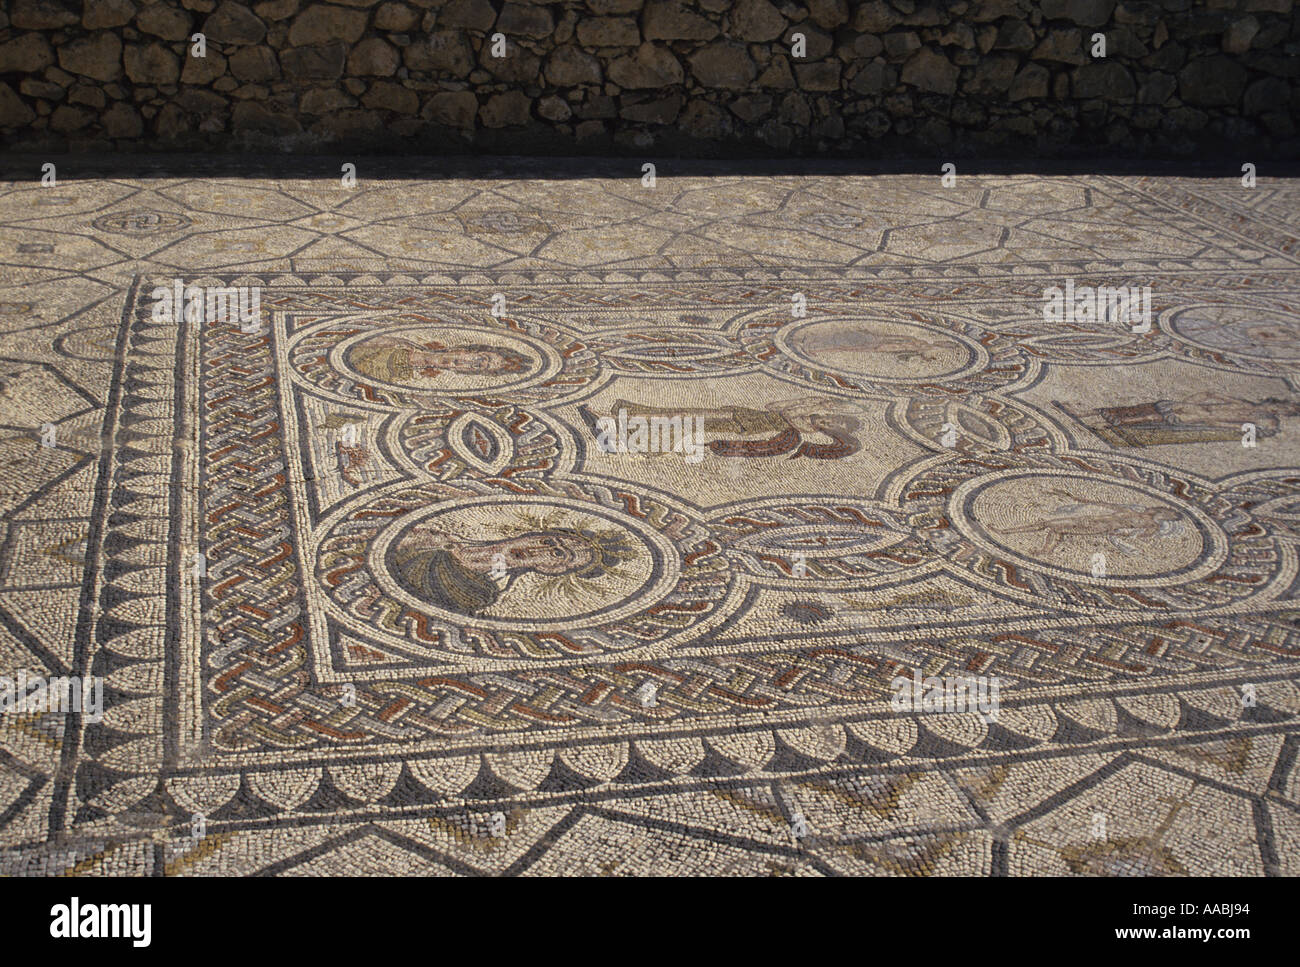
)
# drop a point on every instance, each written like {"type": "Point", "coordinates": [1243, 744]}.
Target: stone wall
{"type": "Point", "coordinates": [702, 77]}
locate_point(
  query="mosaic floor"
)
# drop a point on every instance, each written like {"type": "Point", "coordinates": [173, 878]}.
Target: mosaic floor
{"type": "Point", "coordinates": [385, 575]}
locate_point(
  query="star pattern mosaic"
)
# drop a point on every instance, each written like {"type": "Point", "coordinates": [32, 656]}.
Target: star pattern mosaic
{"type": "Point", "coordinates": [370, 593]}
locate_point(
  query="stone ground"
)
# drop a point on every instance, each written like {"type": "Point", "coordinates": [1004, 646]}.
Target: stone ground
{"type": "Point", "coordinates": [369, 592]}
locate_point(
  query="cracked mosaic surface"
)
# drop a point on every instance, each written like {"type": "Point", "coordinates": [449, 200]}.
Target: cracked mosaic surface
{"type": "Point", "coordinates": [439, 630]}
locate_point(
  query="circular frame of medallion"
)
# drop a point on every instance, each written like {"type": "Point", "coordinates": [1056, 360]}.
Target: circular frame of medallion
{"type": "Point", "coordinates": [690, 575]}
{"type": "Point", "coordinates": [545, 361]}
{"type": "Point", "coordinates": [555, 363]}
{"type": "Point", "coordinates": [1213, 551]}
{"type": "Point", "coordinates": [141, 222]}
{"type": "Point", "coordinates": [889, 338]}
{"type": "Point", "coordinates": [991, 361]}
{"type": "Point", "coordinates": [654, 586]}
{"type": "Point", "coordinates": [1239, 559]}
{"type": "Point", "coordinates": [1246, 337]}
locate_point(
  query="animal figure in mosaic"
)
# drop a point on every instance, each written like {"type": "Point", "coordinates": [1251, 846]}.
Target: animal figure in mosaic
{"type": "Point", "coordinates": [1203, 417]}
{"type": "Point", "coordinates": [782, 428]}
{"type": "Point", "coordinates": [1119, 523]}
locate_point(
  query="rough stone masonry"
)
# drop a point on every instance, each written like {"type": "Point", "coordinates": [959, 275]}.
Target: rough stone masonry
{"type": "Point", "coordinates": [697, 77]}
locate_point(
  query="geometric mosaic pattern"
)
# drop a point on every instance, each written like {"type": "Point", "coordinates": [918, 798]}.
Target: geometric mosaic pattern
{"type": "Point", "coordinates": [369, 596]}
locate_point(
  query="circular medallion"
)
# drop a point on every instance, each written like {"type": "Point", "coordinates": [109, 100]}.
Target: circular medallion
{"type": "Point", "coordinates": [444, 358]}
{"type": "Point", "coordinates": [1105, 532]}
{"type": "Point", "coordinates": [876, 349]}
{"type": "Point", "coordinates": [883, 353]}
{"type": "Point", "coordinates": [1087, 527]}
{"type": "Point", "coordinates": [406, 362]}
{"type": "Point", "coordinates": [141, 222]}
{"type": "Point", "coordinates": [1238, 330]}
{"type": "Point", "coordinates": [515, 573]}
{"type": "Point", "coordinates": [514, 564]}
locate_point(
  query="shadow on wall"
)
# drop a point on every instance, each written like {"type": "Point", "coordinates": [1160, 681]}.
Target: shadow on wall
{"type": "Point", "coordinates": [71, 168]}
{"type": "Point", "coordinates": [691, 78]}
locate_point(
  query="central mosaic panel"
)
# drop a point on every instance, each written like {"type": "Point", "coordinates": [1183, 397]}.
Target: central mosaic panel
{"type": "Point", "coordinates": [431, 524]}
